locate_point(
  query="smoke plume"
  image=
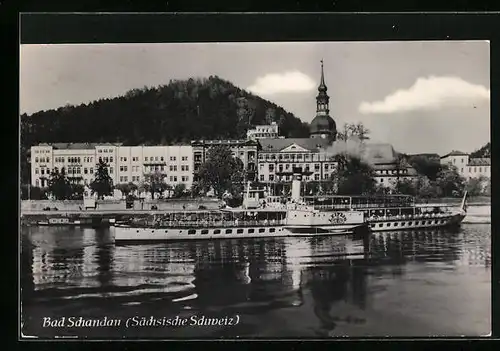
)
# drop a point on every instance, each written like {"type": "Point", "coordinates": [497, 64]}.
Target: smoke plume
{"type": "Point", "coordinates": [352, 147]}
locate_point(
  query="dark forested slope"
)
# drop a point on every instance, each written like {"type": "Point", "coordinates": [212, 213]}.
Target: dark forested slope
{"type": "Point", "coordinates": [177, 112]}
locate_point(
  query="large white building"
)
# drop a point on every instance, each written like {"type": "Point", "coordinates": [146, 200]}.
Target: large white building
{"type": "Point", "coordinates": [263, 131]}
{"type": "Point", "coordinates": [125, 163]}
{"type": "Point", "coordinates": [466, 166]}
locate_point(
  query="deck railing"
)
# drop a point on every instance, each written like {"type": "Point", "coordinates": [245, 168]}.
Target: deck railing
{"type": "Point", "coordinates": [210, 224]}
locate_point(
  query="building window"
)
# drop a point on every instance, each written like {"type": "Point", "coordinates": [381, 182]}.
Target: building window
{"type": "Point", "coordinates": [91, 171]}
{"type": "Point", "coordinates": [316, 177]}
{"type": "Point", "coordinates": [184, 158]}
{"type": "Point", "coordinates": [36, 170]}
{"type": "Point", "coordinates": [146, 159]}
{"type": "Point", "coordinates": [110, 170]}
{"type": "Point", "coordinates": [172, 158]}
{"type": "Point", "coordinates": [261, 177]}
{"type": "Point", "coordinates": [271, 177]}
{"type": "Point", "coordinates": [85, 171]}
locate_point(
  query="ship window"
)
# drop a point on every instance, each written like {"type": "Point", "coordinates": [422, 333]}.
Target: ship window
{"type": "Point", "coordinates": [395, 224]}
{"type": "Point", "coordinates": [373, 225]}
{"type": "Point", "coordinates": [388, 225]}
{"type": "Point", "coordinates": [262, 230]}
{"type": "Point", "coordinates": [229, 231]}
{"type": "Point", "coordinates": [166, 231]}
{"type": "Point", "coordinates": [410, 223]}
{"type": "Point", "coordinates": [417, 222]}
{"type": "Point", "coordinates": [217, 231]}
{"type": "Point", "coordinates": [191, 231]}
{"type": "Point", "coordinates": [251, 230]}
{"type": "Point", "coordinates": [137, 231]}
{"type": "Point", "coordinates": [239, 231]}
{"type": "Point", "coordinates": [380, 225]}
{"type": "Point", "coordinates": [272, 230]}
{"type": "Point", "coordinates": [204, 231]}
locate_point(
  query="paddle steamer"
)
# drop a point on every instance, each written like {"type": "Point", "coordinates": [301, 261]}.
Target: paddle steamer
{"type": "Point", "coordinates": [395, 212]}
{"type": "Point", "coordinates": [255, 218]}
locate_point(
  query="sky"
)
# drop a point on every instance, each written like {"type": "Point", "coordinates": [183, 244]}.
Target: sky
{"type": "Point", "coordinates": [422, 97]}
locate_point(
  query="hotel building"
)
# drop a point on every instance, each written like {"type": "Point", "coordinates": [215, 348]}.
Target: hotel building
{"type": "Point", "coordinates": [245, 150]}
{"type": "Point", "coordinates": [263, 131]}
{"type": "Point", "coordinates": [466, 166]}
{"type": "Point", "coordinates": [125, 163]}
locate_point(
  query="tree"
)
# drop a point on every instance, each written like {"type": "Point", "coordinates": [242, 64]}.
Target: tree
{"type": "Point", "coordinates": [124, 188]}
{"type": "Point", "coordinates": [450, 181]}
{"type": "Point", "coordinates": [474, 187]}
{"type": "Point", "coordinates": [210, 110]}
{"type": "Point", "coordinates": [76, 191]}
{"type": "Point", "coordinates": [59, 185]}
{"type": "Point", "coordinates": [478, 186]}
{"type": "Point", "coordinates": [154, 182]}
{"type": "Point", "coordinates": [484, 151]}
{"type": "Point", "coordinates": [102, 183]}
{"type": "Point", "coordinates": [353, 130]}
{"type": "Point", "coordinates": [179, 190]}
{"type": "Point", "coordinates": [424, 165]}
{"type": "Point", "coordinates": [487, 187]}
{"type": "Point", "coordinates": [221, 172]}
{"type": "Point", "coordinates": [29, 192]}
{"type": "Point", "coordinates": [354, 177]}
{"type": "Point", "coordinates": [406, 187]}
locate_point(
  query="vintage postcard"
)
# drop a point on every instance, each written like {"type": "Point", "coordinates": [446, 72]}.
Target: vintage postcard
{"type": "Point", "coordinates": [255, 190]}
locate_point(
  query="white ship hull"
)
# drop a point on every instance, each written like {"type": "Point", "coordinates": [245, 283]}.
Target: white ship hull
{"type": "Point", "coordinates": [393, 224]}
{"type": "Point", "coordinates": [125, 233]}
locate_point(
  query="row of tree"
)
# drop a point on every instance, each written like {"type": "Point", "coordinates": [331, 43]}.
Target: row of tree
{"type": "Point", "coordinates": [60, 187]}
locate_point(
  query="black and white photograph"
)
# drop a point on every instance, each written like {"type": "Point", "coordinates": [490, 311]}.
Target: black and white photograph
{"type": "Point", "coordinates": [312, 189]}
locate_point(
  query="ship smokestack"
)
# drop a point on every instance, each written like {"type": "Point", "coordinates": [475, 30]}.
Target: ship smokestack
{"type": "Point", "coordinates": [296, 180]}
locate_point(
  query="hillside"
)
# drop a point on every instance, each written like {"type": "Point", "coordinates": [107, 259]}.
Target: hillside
{"type": "Point", "coordinates": [177, 112]}
{"type": "Point", "coordinates": [485, 151]}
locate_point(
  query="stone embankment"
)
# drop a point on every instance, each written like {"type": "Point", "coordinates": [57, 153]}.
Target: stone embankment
{"type": "Point", "coordinates": [33, 206]}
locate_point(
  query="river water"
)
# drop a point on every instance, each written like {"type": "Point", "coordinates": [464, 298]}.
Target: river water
{"type": "Point", "coordinates": [424, 283]}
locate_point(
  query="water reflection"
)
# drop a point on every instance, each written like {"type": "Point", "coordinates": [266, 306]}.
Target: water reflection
{"type": "Point", "coordinates": [317, 276]}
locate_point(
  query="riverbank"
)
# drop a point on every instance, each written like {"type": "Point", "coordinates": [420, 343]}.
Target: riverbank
{"type": "Point", "coordinates": [33, 206]}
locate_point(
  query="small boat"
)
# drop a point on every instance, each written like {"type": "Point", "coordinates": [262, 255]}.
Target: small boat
{"type": "Point", "coordinates": [254, 219]}
{"type": "Point", "coordinates": [67, 221]}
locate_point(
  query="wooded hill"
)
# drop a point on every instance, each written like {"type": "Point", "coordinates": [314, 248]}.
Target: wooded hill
{"type": "Point", "coordinates": [180, 111]}
{"type": "Point", "coordinates": [483, 152]}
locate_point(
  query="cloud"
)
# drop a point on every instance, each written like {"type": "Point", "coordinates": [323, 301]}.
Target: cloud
{"type": "Point", "coordinates": [288, 82]}
{"type": "Point", "coordinates": [429, 93]}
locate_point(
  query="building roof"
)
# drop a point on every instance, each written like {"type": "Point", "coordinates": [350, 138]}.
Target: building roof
{"type": "Point", "coordinates": [379, 153]}
{"type": "Point", "coordinates": [276, 145]}
{"type": "Point", "coordinates": [479, 162]}
{"type": "Point", "coordinates": [455, 153]}
{"type": "Point", "coordinates": [78, 146]}
{"type": "Point", "coordinates": [431, 155]}
{"type": "Point", "coordinates": [322, 124]}
{"type": "Point", "coordinates": [224, 142]}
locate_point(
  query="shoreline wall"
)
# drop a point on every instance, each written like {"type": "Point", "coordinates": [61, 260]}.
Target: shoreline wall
{"type": "Point", "coordinates": [76, 205]}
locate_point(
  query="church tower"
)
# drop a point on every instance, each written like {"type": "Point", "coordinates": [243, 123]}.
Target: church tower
{"type": "Point", "coordinates": [323, 126]}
